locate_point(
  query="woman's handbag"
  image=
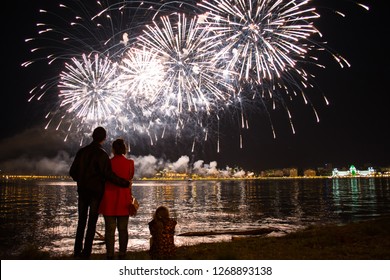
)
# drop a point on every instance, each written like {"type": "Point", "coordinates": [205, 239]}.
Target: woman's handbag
{"type": "Point", "coordinates": [133, 208]}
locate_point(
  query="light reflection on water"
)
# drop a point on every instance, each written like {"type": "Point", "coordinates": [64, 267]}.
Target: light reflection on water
{"type": "Point", "coordinates": [44, 213]}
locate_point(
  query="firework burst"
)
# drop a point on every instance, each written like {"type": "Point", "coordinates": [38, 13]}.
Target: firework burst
{"type": "Point", "coordinates": [89, 91]}
{"type": "Point", "coordinates": [87, 40]}
{"type": "Point", "coordinates": [192, 82]}
{"type": "Point", "coordinates": [157, 67]}
{"type": "Point", "coordinates": [193, 87]}
{"type": "Point", "coordinates": [268, 43]}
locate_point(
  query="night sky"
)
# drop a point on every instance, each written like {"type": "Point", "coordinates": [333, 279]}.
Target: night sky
{"type": "Point", "coordinates": [353, 129]}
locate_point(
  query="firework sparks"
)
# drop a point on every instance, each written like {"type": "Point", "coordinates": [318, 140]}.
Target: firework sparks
{"type": "Point", "coordinates": [89, 89]}
{"type": "Point", "coordinates": [177, 66]}
{"type": "Point", "coordinates": [268, 43]}
{"type": "Point", "coordinates": [193, 88]}
{"type": "Point", "coordinates": [142, 75]}
{"type": "Point", "coordinates": [191, 82]}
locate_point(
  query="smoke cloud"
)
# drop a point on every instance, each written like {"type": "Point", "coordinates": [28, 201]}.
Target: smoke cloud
{"type": "Point", "coordinates": [35, 153]}
{"type": "Point", "coordinates": [58, 165]}
{"type": "Point", "coordinates": [145, 166]}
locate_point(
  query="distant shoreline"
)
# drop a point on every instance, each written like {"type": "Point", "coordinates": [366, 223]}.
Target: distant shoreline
{"type": "Point", "coordinates": [27, 178]}
{"type": "Point", "coordinates": [8, 178]}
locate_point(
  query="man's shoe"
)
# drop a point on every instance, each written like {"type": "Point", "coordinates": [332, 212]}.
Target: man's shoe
{"type": "Point", "coordinates": [85, 255]}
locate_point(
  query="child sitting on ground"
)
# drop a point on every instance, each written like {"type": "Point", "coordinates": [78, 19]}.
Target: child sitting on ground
{"type": "Point", "coordinates": [162, 229]}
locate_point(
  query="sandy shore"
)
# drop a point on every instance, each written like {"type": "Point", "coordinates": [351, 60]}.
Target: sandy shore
{"type": "Point", "coordinates": [366, 240]}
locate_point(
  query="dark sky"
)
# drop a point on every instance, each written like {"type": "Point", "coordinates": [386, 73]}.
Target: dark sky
{"type": "Point", "coordinates": [353, 129]}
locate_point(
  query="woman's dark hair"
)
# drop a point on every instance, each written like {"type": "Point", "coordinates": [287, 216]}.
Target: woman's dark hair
{"type": "Point", "coordinates": [119, 147]}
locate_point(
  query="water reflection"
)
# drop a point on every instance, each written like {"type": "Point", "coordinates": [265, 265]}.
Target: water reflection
{"type": "Point", "coordinates": [44, 213]}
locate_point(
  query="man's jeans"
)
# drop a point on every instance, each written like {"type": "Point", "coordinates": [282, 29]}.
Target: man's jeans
{"type": "Point", "coordinates": [85, 204]}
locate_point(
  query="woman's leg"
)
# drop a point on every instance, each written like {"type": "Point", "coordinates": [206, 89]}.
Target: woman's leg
{"type": "Point", "coordinates": [110, 226]}
{"type": "Point", "coordinates": [123, 222]}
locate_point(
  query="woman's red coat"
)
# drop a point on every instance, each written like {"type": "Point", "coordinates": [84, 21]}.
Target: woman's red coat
{"type": "Point", "coordinates": [116, 200]}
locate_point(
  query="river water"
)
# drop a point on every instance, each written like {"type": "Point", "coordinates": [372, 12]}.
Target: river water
{"type": "Point", "coordinates": [43, 213]}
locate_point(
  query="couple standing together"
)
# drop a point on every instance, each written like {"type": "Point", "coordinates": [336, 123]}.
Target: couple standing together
{"type": "Point", "coordinates": [104, 187]}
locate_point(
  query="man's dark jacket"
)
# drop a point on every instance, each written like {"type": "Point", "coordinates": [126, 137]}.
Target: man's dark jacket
{"type": "Point", "coordinates": [91, 168]}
